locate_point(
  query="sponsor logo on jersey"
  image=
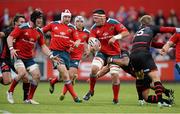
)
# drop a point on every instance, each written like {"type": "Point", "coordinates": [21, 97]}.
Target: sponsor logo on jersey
{"type": "Point", "coordinates": [105, 34]}
{"type": "Point", "coordinates": [55, 28]}
{"type": "Point", "coordinates": [69, 30]}
{"type": "Point", "coordinates": [62, 33]}
{"type": "Point", "coordinates": [26, 33]}
{"type": "Point", "coordinates": [111, 28]}
{"type": "Point", "coordinates": [98, 31]}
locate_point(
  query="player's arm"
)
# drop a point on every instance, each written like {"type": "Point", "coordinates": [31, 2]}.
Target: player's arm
{"type": "Point", "coordinates": [103, 72]}
{"type": "Point", "coordinates": [123, 32]}
{"type": "Point", "coordinates": [172, 41]}
{"type": "Point", "coordinates": [47, 28]}
{"type": "Point", "coordinates": [45, 49]}
{"type": "Point", "coordinates": [13, 35]}
{"type": "Point", "coordinates": [124, 61]}
{"type": "Point", "coordinates": [158, 45]}
{"type": "Point", "coordinates": [2, 34]}
{"type": "Point", "coordinates": [161, 29]}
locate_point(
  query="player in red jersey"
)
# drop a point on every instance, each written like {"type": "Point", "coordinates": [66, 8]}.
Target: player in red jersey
{"type": "Point", "coordinates": [174, 41]}
{"type": "Point", "coordinates": [21, 43]}
{"type": "Point", "coordinates": [80, 36]}
{"type": "Point", "coordinates": [5, 54]}
{"type": "Point", "coordinates": [61, 34]}
{"type": "Point", "coordinates": [108, 32]}
{"type": "Point", "coordinates": [5, 60]}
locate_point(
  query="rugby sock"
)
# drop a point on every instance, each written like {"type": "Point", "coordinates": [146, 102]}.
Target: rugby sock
{"type": "Point", "coordinates": [64, 90]}
{"type": "Point", "coordinates": [26, 90]}
{"type": "Point", "coordinates": [116, 89]}
{"type": "Point", "coordinates": [152, 99]}
{"type": "Point", "coordinates": [158, 90]}
{"type": "Point", "coordinates": [32, 89]}
{"type": "Point", "coordinates": [54, 80]}
{"type": "Point", "coordinates": [13, 85]}
{"type": "Point", "coordinates": [70, 88]}
{"type": "Point", "coordinates": [92, 83]}
{"type": "Point", "coordinates": [139, 89]}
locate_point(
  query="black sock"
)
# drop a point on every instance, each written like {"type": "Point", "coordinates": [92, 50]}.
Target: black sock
{"type": "Point", "coordinates": [139, 89]}
{"type": "Point", "coordinates": [26, 90]}
{"type": "Point", "coordinates": [158, 90]}
{"type": "Point", "coordinates": [152, 99]}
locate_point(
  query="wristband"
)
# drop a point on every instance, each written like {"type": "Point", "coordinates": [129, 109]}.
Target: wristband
{"type": "Point", "coordinates": [118, 37]}
{"type": "Point", "coordinates": [11, 48]}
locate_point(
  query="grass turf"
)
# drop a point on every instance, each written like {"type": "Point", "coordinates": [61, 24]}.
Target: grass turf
{"type": "Point", "coordinates": [101, 102]}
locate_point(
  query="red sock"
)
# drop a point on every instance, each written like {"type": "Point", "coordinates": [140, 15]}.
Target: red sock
{"type": "Point", "coordinates": [116, 91]}
{"type": "Point", "coordinates": [92, 83]}
{"type": "Point", "coordinates": [13, 85]}
{"type": "Point", "coordinates": [64, 91]}
{"type": "Point", "coordinates": [32, 91]}
{"type": "Point", "coordinates": [71, 89]}
{"type": "Point", "coordinates": [54, 80]}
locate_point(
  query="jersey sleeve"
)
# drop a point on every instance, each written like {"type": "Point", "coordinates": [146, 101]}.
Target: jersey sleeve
{"type": "Point", "coordinates": [16, 32]}
{"type": "Point", "coordinates": [47, 28]}
{"type": "Point", "coordinates": [174, 38]}
{"type": "Point", "coordinates": [120, 28]}
{"type": "Point", "coordinates": [158, 29]}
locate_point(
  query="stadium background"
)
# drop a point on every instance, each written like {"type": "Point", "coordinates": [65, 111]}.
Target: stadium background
{"type": "Point", "coordinates": [165, 13]}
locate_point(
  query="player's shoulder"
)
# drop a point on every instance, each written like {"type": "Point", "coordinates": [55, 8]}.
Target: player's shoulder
{"type": "Point", "coordinates": [24, 26]}
{"type": "Point", "coordinates": [112, 21]}
{"type": "Point", "coordinates": [39, 30]}
{"type": "Point", "coordinates": [71, 26]}
{"type": "Point", "coordinates": [86, 30]}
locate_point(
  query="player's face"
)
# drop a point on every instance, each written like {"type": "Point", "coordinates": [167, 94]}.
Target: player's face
{"type": "Point", "coordinates": [20, 21]}
{"type": "Point", "coordinates": [66, 19]}
{"type": "Point", "coordinates": [39, 22]}
{"type": "Point", "coordinates": [99, 21]}
{"type": "Point", "coordinates": [79, 24]}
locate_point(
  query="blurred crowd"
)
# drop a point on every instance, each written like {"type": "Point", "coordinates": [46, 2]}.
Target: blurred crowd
{"type": "Point", "coordinates": [128, 16]}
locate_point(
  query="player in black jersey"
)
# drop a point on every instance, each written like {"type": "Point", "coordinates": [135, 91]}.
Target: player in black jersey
{"type": "Point", "coordinates": [141, 58]}
{"type": "Point", "coordinates": [144, 84]}
{"type": "Point", "coordinates": [5, 59]}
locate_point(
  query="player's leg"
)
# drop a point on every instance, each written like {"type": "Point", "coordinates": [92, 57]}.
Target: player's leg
{"type": "Point", "coordinates": [6, 74]}
{"type": "Point", "coordinates": [26, 86]}
{"type": "Point", "coordinates": [114, 71]}
{"type": "Point", "coordinates": [54, 80]}
{"type": "Point", "coordinates": [97, 64]}
{"type": "Point", "coordinates": [73, 73]}
{"type": "Point", "coordinates": [63, 69]}
{"type": "Point", "coordinates": [34, 70]}
{"type": "Point", "coordinates": [21, 72]}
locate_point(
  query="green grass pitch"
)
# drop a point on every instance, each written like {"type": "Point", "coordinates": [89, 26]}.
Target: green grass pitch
{"type": "Point", "coordinates": [101, 102]}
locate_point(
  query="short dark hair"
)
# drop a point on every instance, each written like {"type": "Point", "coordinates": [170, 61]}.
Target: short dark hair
{"type": "Point", "coordinates": [99, 11]}
{"type": "Point", "coordinates": [36, 14]}
{"type": "Point", "coordinates": [17, 16]}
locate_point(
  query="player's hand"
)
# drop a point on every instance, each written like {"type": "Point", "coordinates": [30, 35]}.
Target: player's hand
{"type": "Point", "coordinates": [87, 52]}
{"type": "Point", "coordinates": [77, 43]}
{"type": "Point", "coordinates": [55, 59]}
{"type": "Point", "coordinates": [111, 41]}
{"type": "Point", "coordinates": [163, 51]}
{"type": "Point", "coordinates": [14, 53]}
